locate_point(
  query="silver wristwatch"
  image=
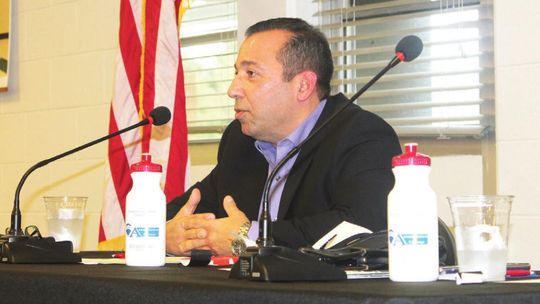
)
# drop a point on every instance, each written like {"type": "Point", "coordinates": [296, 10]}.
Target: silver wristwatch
{"type": "Point", "coordinates": [238, 244]}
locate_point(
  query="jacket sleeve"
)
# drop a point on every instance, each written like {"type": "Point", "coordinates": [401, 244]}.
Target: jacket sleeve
{"type": "Point", "coordinates": [207, 187]}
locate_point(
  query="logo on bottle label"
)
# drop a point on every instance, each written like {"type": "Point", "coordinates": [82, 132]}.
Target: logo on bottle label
{"type": "Point", "coordinates": [153, 231]}
{"type": "Point", "coordinates": [407, 239]}
{"type": "Point", "coordinates": [137, 232]}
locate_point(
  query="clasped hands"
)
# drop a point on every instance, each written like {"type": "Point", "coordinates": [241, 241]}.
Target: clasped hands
{"type": "Point", "coordinates": [188, 231]}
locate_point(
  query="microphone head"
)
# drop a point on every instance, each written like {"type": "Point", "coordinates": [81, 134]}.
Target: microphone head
{"type": "Point", "coordinates": [160, 115]}
{"type": "Point", "coordinates": [409, 47]}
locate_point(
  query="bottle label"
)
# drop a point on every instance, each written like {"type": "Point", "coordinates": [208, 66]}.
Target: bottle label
{"type": "Point", "coordinates": [140, 232]}
{"type": "Point", "coordinates": [407, 239]}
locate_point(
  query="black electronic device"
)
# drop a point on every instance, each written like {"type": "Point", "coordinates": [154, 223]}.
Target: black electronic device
{"type": "Point", "coordinates": [369, 251]}
{"type": "Point", "coordinates": [276, 263]}
{"type": "Point", "coordinates": [43, 250]}
{"type": "Point", "coordinates": [18, 246]}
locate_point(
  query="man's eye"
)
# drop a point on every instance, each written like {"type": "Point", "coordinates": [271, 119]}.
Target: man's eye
{"type": "Point", "coordinates": [251, 73]}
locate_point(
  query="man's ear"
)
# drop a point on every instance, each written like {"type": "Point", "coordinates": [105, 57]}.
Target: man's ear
{"type": "Point", "coordinates": [307, 85]}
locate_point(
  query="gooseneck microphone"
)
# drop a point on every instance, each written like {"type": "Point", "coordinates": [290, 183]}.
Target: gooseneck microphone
{"type": "Point", "coordinates": [275, 263]}
{"type": "Point", "coordinates": [18, 247]}
{"type": "Point", "coordinates": [407, 49]}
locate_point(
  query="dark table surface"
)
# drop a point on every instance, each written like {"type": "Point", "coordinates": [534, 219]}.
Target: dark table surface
{"type": "Point", "coordinates": [116, 284]}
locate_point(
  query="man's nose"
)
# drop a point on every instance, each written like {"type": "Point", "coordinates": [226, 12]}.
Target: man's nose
{"type": "Point", "coordinates": [235, 89]}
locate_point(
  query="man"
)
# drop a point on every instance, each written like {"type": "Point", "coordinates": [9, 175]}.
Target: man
{"type": "Point", "coordinates": [281, 92]}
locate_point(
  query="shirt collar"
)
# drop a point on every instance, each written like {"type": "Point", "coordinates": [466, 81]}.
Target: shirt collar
{"type": "Point", "coordinates": [275, 153]}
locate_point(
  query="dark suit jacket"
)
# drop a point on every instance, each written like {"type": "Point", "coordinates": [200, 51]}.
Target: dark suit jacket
{"type": "Point", "coordinates": [342, 174]}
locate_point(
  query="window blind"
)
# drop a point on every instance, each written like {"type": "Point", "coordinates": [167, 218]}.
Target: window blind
{"type": "Point", "coordinates": [208, 45]}
{"type": "Point", "coordinates": [446, 92]}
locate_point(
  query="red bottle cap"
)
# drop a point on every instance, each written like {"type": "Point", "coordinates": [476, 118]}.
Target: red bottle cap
{"type": "Point", "coordinates": [145, 165]}
{"type": "Point", "coordinates": [411, 157]}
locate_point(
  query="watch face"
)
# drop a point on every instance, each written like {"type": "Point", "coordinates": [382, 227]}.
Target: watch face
{"type": "Point", "coordinates": [238, 246]}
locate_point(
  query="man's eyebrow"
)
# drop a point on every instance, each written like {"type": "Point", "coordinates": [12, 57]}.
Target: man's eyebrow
{"type": "Point", "coordinates": [245, 63]}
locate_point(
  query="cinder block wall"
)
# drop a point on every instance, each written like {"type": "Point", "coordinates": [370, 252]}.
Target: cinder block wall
{"type": "Point", "coordinates": [517, 66]}
{"type": "Point", "coordinates": [60, 84]}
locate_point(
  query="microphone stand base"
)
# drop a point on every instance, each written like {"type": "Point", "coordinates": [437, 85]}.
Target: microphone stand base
{"type": "Point", "coordinates": [281, 264]}
{"type": "Point", "coordinates": [33, 250]}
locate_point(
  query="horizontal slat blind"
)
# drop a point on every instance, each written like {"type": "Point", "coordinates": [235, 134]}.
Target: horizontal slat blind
{"type": "Point", "coordinates": [446, 92]}
{"type": "Point", "coordinates": [209, 46]}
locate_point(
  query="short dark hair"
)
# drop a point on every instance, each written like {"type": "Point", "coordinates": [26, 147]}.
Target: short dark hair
{"type": "Point", "coordinates": [307, 49]}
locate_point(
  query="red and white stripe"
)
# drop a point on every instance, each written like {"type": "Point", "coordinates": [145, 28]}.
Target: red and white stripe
{"type": "Point", "coordinates": [163, 86]}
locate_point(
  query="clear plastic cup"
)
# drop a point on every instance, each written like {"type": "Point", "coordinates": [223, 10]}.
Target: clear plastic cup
{"type": "Point", "coordinates": [481, 231]}
{"type": "Point", "coordinates": [65, 217]}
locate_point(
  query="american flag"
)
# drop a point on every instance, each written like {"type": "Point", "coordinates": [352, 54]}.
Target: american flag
{"type": "Point", "coordinates": [148, 74]}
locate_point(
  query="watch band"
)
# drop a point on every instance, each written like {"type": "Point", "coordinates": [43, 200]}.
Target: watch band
{"type": "Point", "coordinates": [244, 229]}
{"type": "Point", "coordinates": [238, 244]}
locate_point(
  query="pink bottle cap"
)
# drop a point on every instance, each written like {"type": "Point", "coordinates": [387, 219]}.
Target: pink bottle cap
{"type": "Point", "coordinates": [145, 165]}
{"type": "Point", "coordinates": [411, 157]}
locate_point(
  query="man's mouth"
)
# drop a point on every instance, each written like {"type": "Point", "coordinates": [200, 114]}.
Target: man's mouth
{"type": "Point", "coordinates": [238, 113]}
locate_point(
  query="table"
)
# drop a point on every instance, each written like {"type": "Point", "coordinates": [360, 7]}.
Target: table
{"type": "Point", "coordinates": [118, 284]}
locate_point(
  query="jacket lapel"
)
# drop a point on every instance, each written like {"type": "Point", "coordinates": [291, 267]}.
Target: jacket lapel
{"type": "Point", "coordinates": [305, 157]}
{"type": "Point", "coordinates": [296, 175]}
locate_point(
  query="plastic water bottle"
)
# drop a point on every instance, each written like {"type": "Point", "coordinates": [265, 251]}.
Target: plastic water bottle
{"type": "Point", "coordinates": [413, 238]}
{"type": "Point", "coordinates": [145, 216]}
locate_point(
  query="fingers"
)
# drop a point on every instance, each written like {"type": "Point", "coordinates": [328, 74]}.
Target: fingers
{"type": "Point", "coordinates": [174, 235]}
{"type": "Point", "coordinates": [199, 220]}
{"type": "Point", "coordinates": [191, 204]}
{"type": "Point", "coordinates": [196, 233]}
{"type": "Point", "coordinates": [203, 230]}
{"type": "Point", "coordinates": [177, 238]}
{"type": "Point", "coordinates": [191, 244]}
{"type": "Point", "coordinates": [233, 212]}
{"type": "Point", "coordinates": [230, 206]}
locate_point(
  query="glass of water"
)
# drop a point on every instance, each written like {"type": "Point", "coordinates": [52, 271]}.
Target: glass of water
{"type": "Point", "coordinates": [481, 231]}
{"type": "Point", "coordinates": [65, 217]}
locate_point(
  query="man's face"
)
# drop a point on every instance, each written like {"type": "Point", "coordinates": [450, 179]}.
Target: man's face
{"type": "Point", "coordinates": [264, 103]}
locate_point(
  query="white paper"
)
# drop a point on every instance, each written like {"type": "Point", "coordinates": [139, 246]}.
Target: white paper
{"type": "Point", "coordinates": [339, 233]}
{"type": "Point", "coordinates": [468, 278]}
{"type": "Point", "coordinates": [168, 260]}
{"type": "Point", "coordinates": [371, 274]}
